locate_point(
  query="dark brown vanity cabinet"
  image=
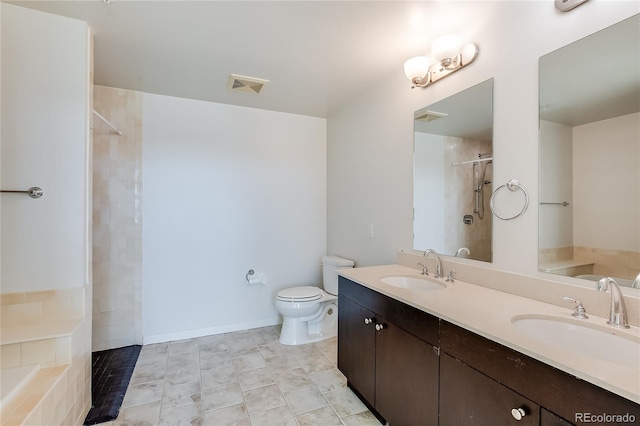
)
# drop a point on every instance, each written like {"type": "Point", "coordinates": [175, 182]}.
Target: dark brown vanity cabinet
{"type": "Point", "coordinates": [512, 380]}
{"type": "Point", "coordinates": [394, 369]}
{"type": "Point", "coordinates": [397, 371]}
{"type": "Point", "coordinates": [468, 397]}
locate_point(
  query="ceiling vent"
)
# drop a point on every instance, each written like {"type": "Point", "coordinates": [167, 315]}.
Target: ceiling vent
{"type": "Point", "coordinates": [431, 116]}
{"type": "Point", "coordinates": [246, 84]}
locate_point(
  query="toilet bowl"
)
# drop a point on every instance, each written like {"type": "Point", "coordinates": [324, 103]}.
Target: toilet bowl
{"type": "Point", "coordinates": [310, 314]}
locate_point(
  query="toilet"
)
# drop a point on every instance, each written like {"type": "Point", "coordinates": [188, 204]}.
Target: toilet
{"type": "Point", "coordinates": [310, 314]}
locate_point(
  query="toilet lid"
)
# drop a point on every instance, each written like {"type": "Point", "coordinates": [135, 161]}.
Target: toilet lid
{"type": "Point", "coordinates": [299, 294]}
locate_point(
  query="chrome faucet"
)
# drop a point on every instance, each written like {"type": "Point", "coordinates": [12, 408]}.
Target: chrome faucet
{"type": "Point", "coordinates": [636, 282]}
{"type": "Point", "coordinates": [618, 312]}
{"type": "Point", "coordinates": [438, 262]}
{"type": "Point", "coordinates": [463, 250]}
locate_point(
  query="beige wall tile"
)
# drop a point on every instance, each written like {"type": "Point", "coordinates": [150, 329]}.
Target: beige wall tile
{"type": "Point", "coordinates": [11, 356]}
{"type": "Point", "coordinates": [26, 314]}
{"type": "Point", "coordinates": [41, 352]}
{"type": "Point", "coordinates": [117, 215]}
{"type": "Point", "coordinates": [56, 310]}
{"type": "Point", "coordinates": [5, 316]}
{"type": "Point", "coordinates": [12, 298]}
{"type": "Point", "coordinates": [63, 351]}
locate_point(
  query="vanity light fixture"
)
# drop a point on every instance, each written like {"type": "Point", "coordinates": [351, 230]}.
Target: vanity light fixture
{"type": "Point", "coordinates": [449, 56]}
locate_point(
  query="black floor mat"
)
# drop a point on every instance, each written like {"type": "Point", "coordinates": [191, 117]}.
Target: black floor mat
{"type": "Point", "coordinates": [112, 370]}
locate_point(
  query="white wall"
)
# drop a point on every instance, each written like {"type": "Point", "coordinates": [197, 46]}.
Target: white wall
{"type": "Point", "coordinates": [44, 143]}
{"type": "Point", "coordinates": [556, 185]}
{"type": "Point", "coordinates": [370, 138]}
{"type": "Point", "coordinates": [609, 214]}
{"type": "Point", "coordinates": [227, 189]}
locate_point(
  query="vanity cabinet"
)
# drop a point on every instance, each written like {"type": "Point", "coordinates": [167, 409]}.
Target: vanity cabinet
{"type": "Point", "coordinates": [549, 396]}
{"type": "Point", "coordinates": [388, 352]}
{"type": "Point", "coordinates": [468, 397]}
{"type": "Point", "coordinates": [401, 375]}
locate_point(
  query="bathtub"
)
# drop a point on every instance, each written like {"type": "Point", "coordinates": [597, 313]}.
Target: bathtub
{"type": "Point", "coordinates": [14, 379]}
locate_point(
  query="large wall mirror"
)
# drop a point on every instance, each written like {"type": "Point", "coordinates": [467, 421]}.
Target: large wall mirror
{"type": "Point", "coordinates": [453, 174]}
{"type": "Point", "coordinates": [589, 150]}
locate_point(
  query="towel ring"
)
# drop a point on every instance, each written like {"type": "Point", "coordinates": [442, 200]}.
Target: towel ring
{"type": "Point", "coordinates": [513, 185]}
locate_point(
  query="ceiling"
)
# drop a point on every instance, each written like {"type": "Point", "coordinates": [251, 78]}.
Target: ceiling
{"type": "Point", "coordinates": [593, 79]}
{"type": "Point", "coordinates": [317, 55]}
{"type": "Point", "coordinates": [467, 114]}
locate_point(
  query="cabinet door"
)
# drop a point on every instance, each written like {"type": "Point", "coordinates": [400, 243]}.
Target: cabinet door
{"type": "Point", "coordinates": [356, 347]}
{"type": "Point", "coordinates": [547, 418]}
{"type": "Point", "coordinates": [468, 397]}
{"type": "Point", "coordinates": [407, 371]}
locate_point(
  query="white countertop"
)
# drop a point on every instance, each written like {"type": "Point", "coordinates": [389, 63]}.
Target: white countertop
{"type": "Point", "coordinates": [489, 312]}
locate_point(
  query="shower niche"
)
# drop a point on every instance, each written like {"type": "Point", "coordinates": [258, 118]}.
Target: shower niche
{"type": "Point", "coordinates": [453, 174]}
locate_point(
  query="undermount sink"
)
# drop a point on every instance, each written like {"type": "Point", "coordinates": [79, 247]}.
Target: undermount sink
{"type": "Point", "coordinates": [592, 340]}
{"type": "Point", "coordinates": [413, 282]}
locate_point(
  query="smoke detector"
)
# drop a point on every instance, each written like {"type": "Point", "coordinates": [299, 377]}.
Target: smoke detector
{"type": "Point", "coordinates": [242, 83]}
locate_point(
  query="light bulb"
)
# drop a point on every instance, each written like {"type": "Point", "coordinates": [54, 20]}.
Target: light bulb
{"type": "Point", "coordinates": [416, 67]}
{"type": "Point", "coordinates": [445, 48]}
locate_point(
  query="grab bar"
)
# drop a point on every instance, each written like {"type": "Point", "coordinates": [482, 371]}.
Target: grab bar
{"type": "Point", "coordinates": [33, 192]}
{"type": "Point", "coordinates": [564, 203]}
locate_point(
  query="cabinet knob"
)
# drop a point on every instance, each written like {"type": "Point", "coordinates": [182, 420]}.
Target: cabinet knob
{"type": "Point", "coordinates": [380, 327]}
{"type": "Point", "coordinates": [368, 321]}
{"type": "Point", "coordinates": [518, 413]}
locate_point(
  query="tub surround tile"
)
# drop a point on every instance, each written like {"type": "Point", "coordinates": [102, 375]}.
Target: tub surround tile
{"type": "Point", "coordinates": [13, 298]}
{"type": "Point", "coordinates": [11, 356]}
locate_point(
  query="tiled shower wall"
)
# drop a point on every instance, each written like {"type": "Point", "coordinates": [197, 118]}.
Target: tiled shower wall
{"type": "Point", "coordinates": [460, 199]}
{"type": "Point", "coordinates": [117, 219]}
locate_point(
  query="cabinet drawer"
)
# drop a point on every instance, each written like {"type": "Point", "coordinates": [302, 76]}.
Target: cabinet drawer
{"type": "Point", "coordinates": [415, 321]}
{"type": "Point", "coordinates": [468, 397]}
{"type": "Point", "coordinates": [549, 387]}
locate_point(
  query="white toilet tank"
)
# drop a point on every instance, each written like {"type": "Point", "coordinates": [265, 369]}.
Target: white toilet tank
{"type": "Point", "coordinates": [330, 266]}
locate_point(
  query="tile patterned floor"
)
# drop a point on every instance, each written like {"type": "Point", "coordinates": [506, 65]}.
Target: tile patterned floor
{"type": "Point", "coordinates": [240, 378]}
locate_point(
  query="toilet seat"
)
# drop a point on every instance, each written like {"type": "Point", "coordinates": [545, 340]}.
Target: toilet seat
{"type": "Point", "coordinates": [299, 294]}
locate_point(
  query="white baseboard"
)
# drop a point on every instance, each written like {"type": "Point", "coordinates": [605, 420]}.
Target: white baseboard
{"type": "Point", "coordinates": [200, 332]}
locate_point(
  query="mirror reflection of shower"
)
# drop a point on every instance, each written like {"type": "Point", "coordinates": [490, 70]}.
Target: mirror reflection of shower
{"type": "Point", "coordinates": [480, 179]}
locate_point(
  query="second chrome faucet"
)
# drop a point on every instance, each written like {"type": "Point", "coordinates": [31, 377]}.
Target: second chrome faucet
{"type": "Point", "coordinates": [426, 254]}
